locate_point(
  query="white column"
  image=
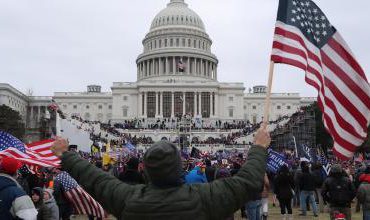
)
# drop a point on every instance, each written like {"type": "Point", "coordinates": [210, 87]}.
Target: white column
{"type": "Point", "coordinates": [211, 105]}
{"type": "Point", "coordinates": [188, 66]}
{"type": "Point", "coordinates": [195, 67]}
{"type": "Point", "coordinates": [156, 104]}
{"type": "Point", "coordinates": [215, 72]}
{"type": "Point", "coordinates": [183, 104]}
{"type": "Point", "coordinates": [195, 104]}
{"type": "Point", "coordinates": [200, 103]}
{"type": "Point", "coordinates": [140, 104]}
{"type": "Point", "coordinates": [172, 105]}
{"type": "Point", "coordinates": [174, 65]}
{"type": "Point", "coordinates": [31, 117]}
{"type": "Point", "coordinates": [152, 61]}
{"type": "Point", "coordinates": [160, 66]}
{"type": "Point", "coordinates": [167, 66]}
{"type": "Point", "coordinates": [216, 105]}
{"type": "Point", "coordinates": [201, 67]}
{"type": "Point", "coordinates": [161, 105]}
{"type": "Point", "coordinates": [156, 66]}
{"type": "Point", "coordinates": [138, 73]}
{"type": "Point", "coordinates": [145, 104]}
{"type": "Point", "coordinates": [207, 63]}
{"type": "Point", "coordinates": [146, 68]}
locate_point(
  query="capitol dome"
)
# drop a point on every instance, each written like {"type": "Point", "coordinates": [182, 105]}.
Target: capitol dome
{"type": "Point", "coordinates": [177, 45]}
{"type": "Point", "coordinates": [177, 13]}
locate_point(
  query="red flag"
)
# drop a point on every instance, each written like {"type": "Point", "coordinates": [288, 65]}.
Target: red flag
{"type": "Point", "coordinates": [304, 38]}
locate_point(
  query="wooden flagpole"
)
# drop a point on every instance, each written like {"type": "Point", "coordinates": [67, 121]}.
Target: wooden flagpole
{"type": "Point", "coordinates": [268, 95]}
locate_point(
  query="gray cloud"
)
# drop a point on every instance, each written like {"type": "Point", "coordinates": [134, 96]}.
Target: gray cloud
{"type": "Point", "coordinates": [64, 45]}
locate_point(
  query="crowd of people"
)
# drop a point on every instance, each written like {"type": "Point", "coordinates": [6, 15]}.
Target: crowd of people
{"type": "Point", "coordinates": [298, 184]}
{"type": "Point", "coordinates": [236, 130]}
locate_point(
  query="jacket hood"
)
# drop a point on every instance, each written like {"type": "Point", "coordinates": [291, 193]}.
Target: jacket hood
{"type": "Point", "coordinates": [163, 164]}
{"type": "Point", "coordinates": [50, 192]}
{"type": "Point", "coordinates": [6, 181]}
{"type": "Point", "coordinates": [39, 191]}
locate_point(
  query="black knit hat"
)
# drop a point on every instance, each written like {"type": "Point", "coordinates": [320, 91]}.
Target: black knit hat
{"type": "Point", "coordinates": [163, 164]}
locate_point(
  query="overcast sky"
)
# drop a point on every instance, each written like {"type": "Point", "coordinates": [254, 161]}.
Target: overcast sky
{"type": "Point", "coordinates": [64, 45]}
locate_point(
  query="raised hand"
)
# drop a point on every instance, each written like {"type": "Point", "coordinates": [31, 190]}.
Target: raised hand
{"type": "Point", "coordinates": [59, 147]}
{"type": "Point", "coordinates": [262, 137]}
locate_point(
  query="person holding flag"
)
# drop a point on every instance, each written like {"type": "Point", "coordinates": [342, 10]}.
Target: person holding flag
{"type": "Point", "coordinates": [166, 196]}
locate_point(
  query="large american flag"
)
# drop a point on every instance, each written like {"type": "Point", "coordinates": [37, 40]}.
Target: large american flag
{"type": "Point", "coordinates": [304, 38]}
{"type": "Point", "coordinates": [34, 154]}
{"type": "Point", "coordinates": [83, 203]}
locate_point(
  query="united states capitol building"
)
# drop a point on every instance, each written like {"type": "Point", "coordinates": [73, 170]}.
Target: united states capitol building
{"type": "Point", "coordinates": [177, 74]}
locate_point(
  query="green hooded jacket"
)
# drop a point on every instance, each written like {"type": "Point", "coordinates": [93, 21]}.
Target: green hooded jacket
{"type": "Point", "coordinates": [216, 200]}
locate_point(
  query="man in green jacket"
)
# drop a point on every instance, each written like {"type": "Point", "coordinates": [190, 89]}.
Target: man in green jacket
{"type": "Point", "coordinates": [166, 197]}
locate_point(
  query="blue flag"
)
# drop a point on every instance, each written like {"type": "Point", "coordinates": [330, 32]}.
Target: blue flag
{"type": "Point", "coordinates": [275, 161]}
{"type": "Point", "coordinates": [304, 152]}
{"type": "Point", "coordinates": [326, 166]}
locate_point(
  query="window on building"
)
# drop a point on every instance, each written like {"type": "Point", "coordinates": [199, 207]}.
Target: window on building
{"type": "Point", "coordinates": [195, 44]}
{"type": "Point", "coordinates": [231, 99]}
{"type": "Point", "coordinates": [189, 43]}
{"type": "Point", "coordinates": [288, 107]}
{"type": "Point", "coordinates": [171, 42]}
{"type": "Point", "coordinates": [254, 107]}
{"type": "Point", "coordinates": [231, 112]}
{"type": "Point", "coordinates": [65, 106]}
{"type": "Point", "coordinates": [125, 110]}
{"type": "Point", "coordinates": [245, 107]}
{"type": "Point", "coordinates": [75, 107]}
{"type": "Point", "coordinates": [183, 42]}
{"type": "Point", "coordinates": [87, 106]}
{"type": "Point", "coordinates": [160, 43]}
{"type": "Point", "coordinates": [109, 106]}
{"type": "Point", "coordinates": [165, 42]}
{"type": "Point", "coordinates": [100, 107]}
{"type": "Point", "coordinates": [124, 98]}
{"type": "Point", "coordinates": [177, 42]}
{"type": "Point", "coordinates": [278, 107]}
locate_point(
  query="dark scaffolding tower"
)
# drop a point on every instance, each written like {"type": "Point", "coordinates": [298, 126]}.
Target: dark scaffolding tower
{"type": "Point", "coordinates": [300, 129]}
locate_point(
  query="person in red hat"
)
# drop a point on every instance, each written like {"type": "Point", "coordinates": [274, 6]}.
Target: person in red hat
{"type": "Point", "coordinates": [14, 202]}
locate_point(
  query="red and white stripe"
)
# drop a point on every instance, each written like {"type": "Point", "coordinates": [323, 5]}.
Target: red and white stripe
{"type": "Point", "coordinates": [84, 203]}
{"type": "Point", "coordinates": [37, 153]}
{"type": "Point", "coordinates": [343, 90]}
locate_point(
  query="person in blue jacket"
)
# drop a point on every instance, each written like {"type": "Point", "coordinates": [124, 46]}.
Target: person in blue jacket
{"type": "Point", "coordinates": [196, 176]}
{"type": "Point", "coordinates": [14, 202]}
